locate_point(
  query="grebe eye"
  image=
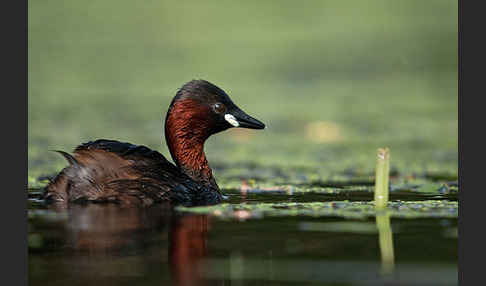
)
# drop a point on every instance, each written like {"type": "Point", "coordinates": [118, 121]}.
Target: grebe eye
{"type": "Point", "coordinates": [219, 108]}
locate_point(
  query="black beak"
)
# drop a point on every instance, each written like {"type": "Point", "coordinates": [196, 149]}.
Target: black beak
{"type": "Point", "coordinates": [243, 120]}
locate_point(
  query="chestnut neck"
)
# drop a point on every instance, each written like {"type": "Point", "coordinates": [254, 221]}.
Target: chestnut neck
{"type": "Point", "coordinates": [186, 130]}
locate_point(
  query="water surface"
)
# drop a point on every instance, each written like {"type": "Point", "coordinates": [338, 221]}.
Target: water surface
{"type": "Point", "coordinates": [112, 245]}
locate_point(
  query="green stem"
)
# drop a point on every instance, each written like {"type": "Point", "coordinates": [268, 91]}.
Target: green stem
{"type": "Point", "coordinates": [382, 177]}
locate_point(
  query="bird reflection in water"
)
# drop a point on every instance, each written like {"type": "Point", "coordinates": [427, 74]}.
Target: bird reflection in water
{"type": "Point", "coordinates": [109, 241]}
{"type": "Point", "coordinates": [188, 247]}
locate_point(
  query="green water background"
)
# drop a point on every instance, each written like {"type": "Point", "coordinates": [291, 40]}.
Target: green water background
{"type": "Point", "coordinates": [333, 81]}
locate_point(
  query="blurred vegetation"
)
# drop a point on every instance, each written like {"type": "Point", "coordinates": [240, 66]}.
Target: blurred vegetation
{"type": "Point", "coordinates": [333, 80]}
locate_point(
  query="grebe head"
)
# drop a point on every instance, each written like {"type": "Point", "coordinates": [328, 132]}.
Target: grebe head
{"type": "Point", "coordinates": [199, 110]}
{"type": "Point", "coordinates": [208, 106]}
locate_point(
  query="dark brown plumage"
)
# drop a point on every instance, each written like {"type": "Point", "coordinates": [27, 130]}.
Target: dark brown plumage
{"type": "Point", "coordinates": [113, 171]}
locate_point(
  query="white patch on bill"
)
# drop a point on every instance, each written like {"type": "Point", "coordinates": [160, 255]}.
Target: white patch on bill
{"type": "Point", "coordinates": [231, 119]}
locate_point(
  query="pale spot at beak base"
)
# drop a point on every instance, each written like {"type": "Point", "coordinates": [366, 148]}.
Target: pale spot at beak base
{"type": "Point", "coordinates": [231, 120]}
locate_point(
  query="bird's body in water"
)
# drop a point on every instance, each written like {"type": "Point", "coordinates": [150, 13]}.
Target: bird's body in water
{"type": "Point", "coordinates": [113, 171]}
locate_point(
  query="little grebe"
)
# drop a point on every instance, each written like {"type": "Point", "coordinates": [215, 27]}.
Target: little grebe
{"type": "Point", "coordinates": [113, 171]}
